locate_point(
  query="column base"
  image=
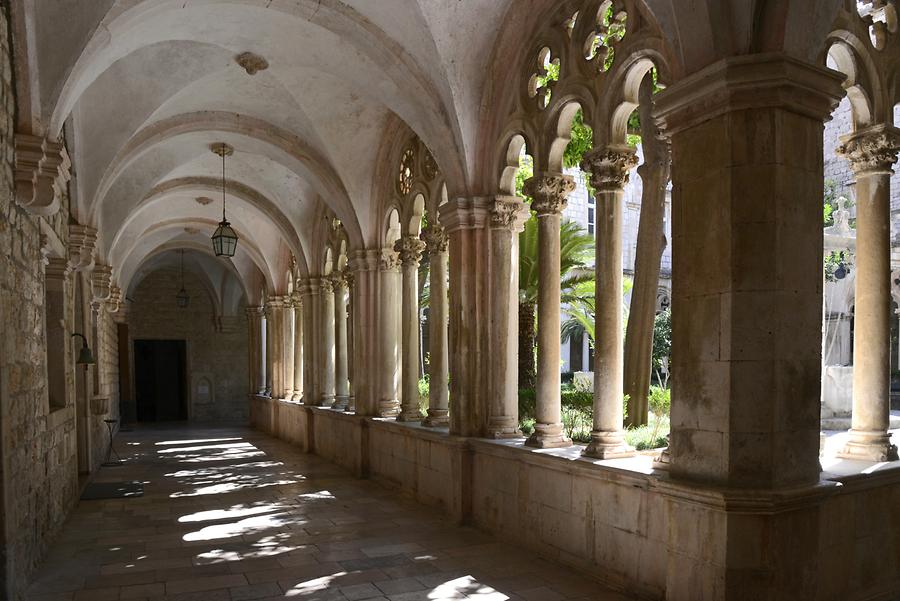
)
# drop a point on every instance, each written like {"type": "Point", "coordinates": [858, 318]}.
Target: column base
{"type": "Point", "coordinates": [297, 396]}
{"type": "Point", "coordinates": [409, 415]}
{"type": "Point", "coordinates": [351, 405]}
{"type": "Point", "coordinates": [502, 427]}
{"type": "Point", "coordinates": [548, 436]}
{"type": "Point", "coordinates": [388, 408]}
{"type": "Point", "coordinates": [437, 418]}
{"type": "Point", "coordinates": [607, 445]}
{"type": "Point", "coordinates": [663, 460]}
{"type": "Point", "coordinates": [869, 446]}
{"type": "Point", "coordinates": [327, 400]}
{"type": "Point", "coordinates": [340, 403]}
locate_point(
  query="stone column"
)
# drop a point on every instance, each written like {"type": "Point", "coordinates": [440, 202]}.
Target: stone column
{"type": "Point", "coordinates": [871, 153]}
{"type": "Point", "coordinates": [438, 367]}
{"type": "Point", "coordinates": [747, 238]}
{"type": "Point", "coordinates": [409, 249]}
{"type": "Point", "coordinates": [326, 300]}
{"type": "Point", "coordinates": [341, 374]}
{"type": "Point", "coordinates": [548, 191]}
{"type": "Point", "coordinates": [388, 333]}
{"type": "Point", "coordinates": [364, 305]}
{"type": "Point", "coordinates": [267, 351]}
{"type": "Point", "coordinates": [297, 394]}
{"type": "Point", "coordinates": [254, 350]}
{"type": "Point", "coordinates": [508, 217]}
{"type": "Point", "coordinates": [311, 369]}
{"type": "Point", "coordinates": [609, 174]}
{"type": "Point", "coordinates": [288, 339]}
{"type": "Point", "coordinates": [275, 311]}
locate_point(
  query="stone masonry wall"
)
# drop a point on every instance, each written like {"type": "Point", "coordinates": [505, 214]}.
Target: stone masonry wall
{"type": "Point", "coordinates": [216, 349]}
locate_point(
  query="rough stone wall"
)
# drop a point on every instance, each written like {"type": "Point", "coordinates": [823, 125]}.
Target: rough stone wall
{"type": "Point", "coordinates": [40, 481]}
{"type": "Point", "coordinates": [216, 348]}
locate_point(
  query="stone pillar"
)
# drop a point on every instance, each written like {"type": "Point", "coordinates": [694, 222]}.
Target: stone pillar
{"type": "Point", "coordinates": [747, 238]}
{"type": "Point", "coordinates": [609, 174]}
{"type": "Point", "coordinates": [409, 249]}
{"type": "Point", "coordinates": [364, 324]}
{"type": "Point", "coordinates": [326, 339]}
{"type": "Point", "coordinates": [508, 217]}
{"type": "Point", "coordinates": [871, 153]}
{"type": "Point", "coordinates": [466, 221]}
{"type": "Point", "coordinates": [548, 191]}
{"type": "Point", "coordinates": [388, 333]}
{"type": "Point", "coordinates": [275, 311]}
{"type": "Point", "coordinates": [341, 374]}
{"type": "Point", "coordinates": [288, 339]}
{"type": "Point", "coordinates": [438, 391]}
{"type": "Point", "coordinates": [267, 353]}
{"type": "Point", "coordinates": [297, 394]}
{"type": "Point", "coordinates": [311, 368]}
{"type": "Point", "coordinates": [254, 351]}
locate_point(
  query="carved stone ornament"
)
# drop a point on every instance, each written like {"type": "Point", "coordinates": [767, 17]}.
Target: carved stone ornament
{"type": "Point", "coordinates": [548, 192]}
{"type": "Point", "coordinates": [871, 151]}
{"type": "Point", "coordinates": [251, 63]}
{"type": "Point", "coordinates": [507, 212]}
{"type": "Point", "coordinates": [409, 248]}
{"type": "Point", "coordinates": [101, 282]}
{"type": "Point", "coordinates": [115, 300]}
{"type": "Point", "coordinates": [609, 167]}
{"type": "Point", "coordinates": [429, 165]}
{"type": "Point", "coordinates": [388, 260]}
{"type": "Point", "coordinates": [327, 284]}
{"type": "Point", "coordinates": [82, 241]}
{"type": "Point", "coordinates": [339, 280]}
{"type": "Point", "coordinates": [41, 173]}
{"type": "Point", "coordinates": [435, 238]}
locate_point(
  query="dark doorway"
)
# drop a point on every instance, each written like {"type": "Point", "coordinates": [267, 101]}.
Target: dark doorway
{"type": "Point", "coordinates": [160, 382]}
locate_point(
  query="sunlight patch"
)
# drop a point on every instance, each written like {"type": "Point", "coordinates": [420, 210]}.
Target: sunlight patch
{"type": "Point", "coordinates": [234, 512]}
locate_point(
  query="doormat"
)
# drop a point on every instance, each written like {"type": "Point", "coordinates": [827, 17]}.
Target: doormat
{"type": "Point", "coordinates": [113, 490]}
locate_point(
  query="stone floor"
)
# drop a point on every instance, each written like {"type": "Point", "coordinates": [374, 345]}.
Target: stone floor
{"type": "Point", "coordinates": [231, 514]}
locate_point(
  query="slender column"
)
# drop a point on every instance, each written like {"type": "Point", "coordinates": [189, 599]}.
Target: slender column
{"type": "Point", "coordinates": [297, 394]}
{"type": "Point", "coordinates": [438, 367]}
{"type": "Point", "coordinates": [310, 294]}
{"type": "Point", "coordinates": [267, 355]}
{"type": "Point", "coordinates": [254, 342]}
{"type": "Point", "coordinates": [548, 191]}
{"type": "Point", "coordinates": [288, 339]}
{"type": "Point", "coordinates": [275, 313]}
{"type": "Point", "coordinates": [341, 374]}
{"type": "Point", "coordinates": [388, 329]}
{"type": "Point", "coordinates": [326, 300]}
{"type": "Point", "coordinates": [609, 174]}
{"type": "Point", "coordinates": [409, 249]}
{"type": "Point", "coordinates": [508, 217]}
{"type": "Point", "coordinates": [364, 322]}
{"type": "Point", "coordinates": [872, 153]}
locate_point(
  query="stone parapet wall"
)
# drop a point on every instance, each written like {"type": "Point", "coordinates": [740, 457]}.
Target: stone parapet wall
{"type": "Point", "coordinates": [637, 531]}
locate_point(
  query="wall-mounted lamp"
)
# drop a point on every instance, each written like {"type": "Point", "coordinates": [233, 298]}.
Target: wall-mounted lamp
{"type": "Point", "coordinates": [85, 357]}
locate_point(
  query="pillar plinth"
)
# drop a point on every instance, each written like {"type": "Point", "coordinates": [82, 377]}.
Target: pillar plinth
{"type": "Point", "coordinates": [609, 173]}
{"type": "Point", "coordinates": [871, 153]}
{"type": "Point", "coordinates": [298, 348]}
{"type": "Point", "coordinates": [326, 298]}
{"type": "Point", "coordinates": [389, 333]}
{"type": "Point", "coordinates": [548, 191]}
{"type": "Point", "coordinates": [438, 392]}
{"type": "Point", "coordinates": [508, 216]}
{"type": "Point", "coordinates": [409, 250]}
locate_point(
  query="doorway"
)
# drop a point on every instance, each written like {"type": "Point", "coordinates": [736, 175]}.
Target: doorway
{"type": "Point", "coordinates": [160, 380]}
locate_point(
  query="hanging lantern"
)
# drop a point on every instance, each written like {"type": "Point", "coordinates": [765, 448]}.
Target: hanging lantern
{"type": "Point", "coordinates": [182, 299]}
{"type": "Point", "coordinates": [224, 239]}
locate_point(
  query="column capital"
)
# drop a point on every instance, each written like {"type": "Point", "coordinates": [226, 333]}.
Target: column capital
{"type": "Point", "coordinates": [872, 150]}
{"type": "Point", "coordinates": [101, 282]}
{"type": "Point", "coordinates": [409, 249]}
{"type": "Point", "coordinates": [363, 260]}
{"type": "Point", "coordinates": [388, 260]}
{"type": "Point", "coordinates": [435, 238]}
{"type": "Point", "coordinates": [253, 312]}
{"type": "Point", "coordinates": [82, 242]}
{"type": "Point", "coordinates": [341, 279]}
{"type": "Point", "coordinates": [310, 287]}
{"type": "Point", "coordinates": [549, 192]}
{"type": "Point", "coordinates": [509, 213]}
{"type": "Point", "coordinates": [327, 284]}
{"type": "Point", "coordinates": [609, 167]}
{"type": "Point", "coordinates": [41, 173]}
{"type": "Point", "coordinates": [767, 80]}
{"type": "Point", "coordinates": [275, 302]}
{"type": "Point", "coordinates": [56, 269]}
{"type": "Point", "coordinates": [465, 213]}
{"type": "Point", "coordinates": [114, 302]}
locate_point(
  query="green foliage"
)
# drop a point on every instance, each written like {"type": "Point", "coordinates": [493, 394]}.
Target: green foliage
{"type": "Point", "coordinates": [652, 436]}
{"type": "Point", "coordinates": [830, 202]}
{"type": "Point", "coordinates": [581, 141]}
{"type": "Point", "coordinates": [576, 251]}
{"type": "Point", "coordinates": [580, 309]}
{"type": "Point", "coordinates": [523, 173]}
{"type": "Point", "coordinates": [577, 411]}
{"type": "Point", "coordinates": [660, 400]}
{"type": "Point", "coordinates": [423, 395]}
{"type": "Point", "coordinates": [662, 339]}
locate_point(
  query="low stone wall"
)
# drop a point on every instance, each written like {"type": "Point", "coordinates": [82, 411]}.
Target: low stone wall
{"type": "Point", "coordinates": [635, 530]}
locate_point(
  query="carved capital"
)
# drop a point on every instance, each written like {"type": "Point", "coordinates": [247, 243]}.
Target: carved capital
{"type": "Point", "coordinates": [56, 269]}
{"type": "Point", "coordinates": [101, 282]}
{"type": "Point", "coordinates": [609, 167]}
{"type": "Point", "coordinates": [327, 284]}
{"type": "Point", "coordinates": [548, 192]}
{"type": "Point", "coordinates": [115, 299]}
{"type": "Point", "coordinates": [363, 260]}
{"type": "Point", "coordinates": [82, 242]}
{"type": "Point", "coordinates": [409, 249]}
{"type": "Point", "coordinates": [388, 260]}
{"type": "Point", "coordinates": [254, 314]}
{"type": "Point", "coordinates": [340, 280]}
{"type": "Point", "coordinates": [873, 150]}
{"type": "Point", "coordinates": [435, 238]}
{"type": "Point", "coordinates": [508, 213]}
{"type": "Point", "coordinates": [41, 173]}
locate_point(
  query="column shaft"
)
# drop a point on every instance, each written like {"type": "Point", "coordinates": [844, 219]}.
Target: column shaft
{"type": "Point", "coordinates": [326, 299]}
{"type": "Point", "coordinates": [438, 365]}
{"type": "Point", "coordinates": [549, 193]}
{"type": "Point", "coordinates": [253, 351]}
{"type": "Point", "coordinates": [310, 366]}
{"type": "Point", "coordinates": [297, 394]}
{"type": "Point", "coordinates": [342, 383]}
{"type": "Point", "coordinates": [267, 357]}
{"type": "Point", "coordinates": [389, 334]}
{"type": "Point", "coordinates": [288, 337]}
{"type": "Point", "coordinates": [410, 249]}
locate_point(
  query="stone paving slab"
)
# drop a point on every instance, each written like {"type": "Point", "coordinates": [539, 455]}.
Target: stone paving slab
{"type": "Point", "coordinates": [230, 514]}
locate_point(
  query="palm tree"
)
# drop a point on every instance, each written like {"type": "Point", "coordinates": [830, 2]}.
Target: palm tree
{"type": "Point", "coordinates": [576, 252]}
{"type": "Point", "coordinates": [580, 310]}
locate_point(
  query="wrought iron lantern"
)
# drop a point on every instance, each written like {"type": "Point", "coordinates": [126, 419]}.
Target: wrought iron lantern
{"type": "Point", "coordinates": [85, 357]}
{"type": "Point", "coordinates": [182, 299]}
{"type": "Point", "coordinates": [224, 239]}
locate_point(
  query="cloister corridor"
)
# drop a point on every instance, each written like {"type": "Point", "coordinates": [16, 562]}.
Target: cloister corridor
{"type": "Point", "coordinates": [231, 514]}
